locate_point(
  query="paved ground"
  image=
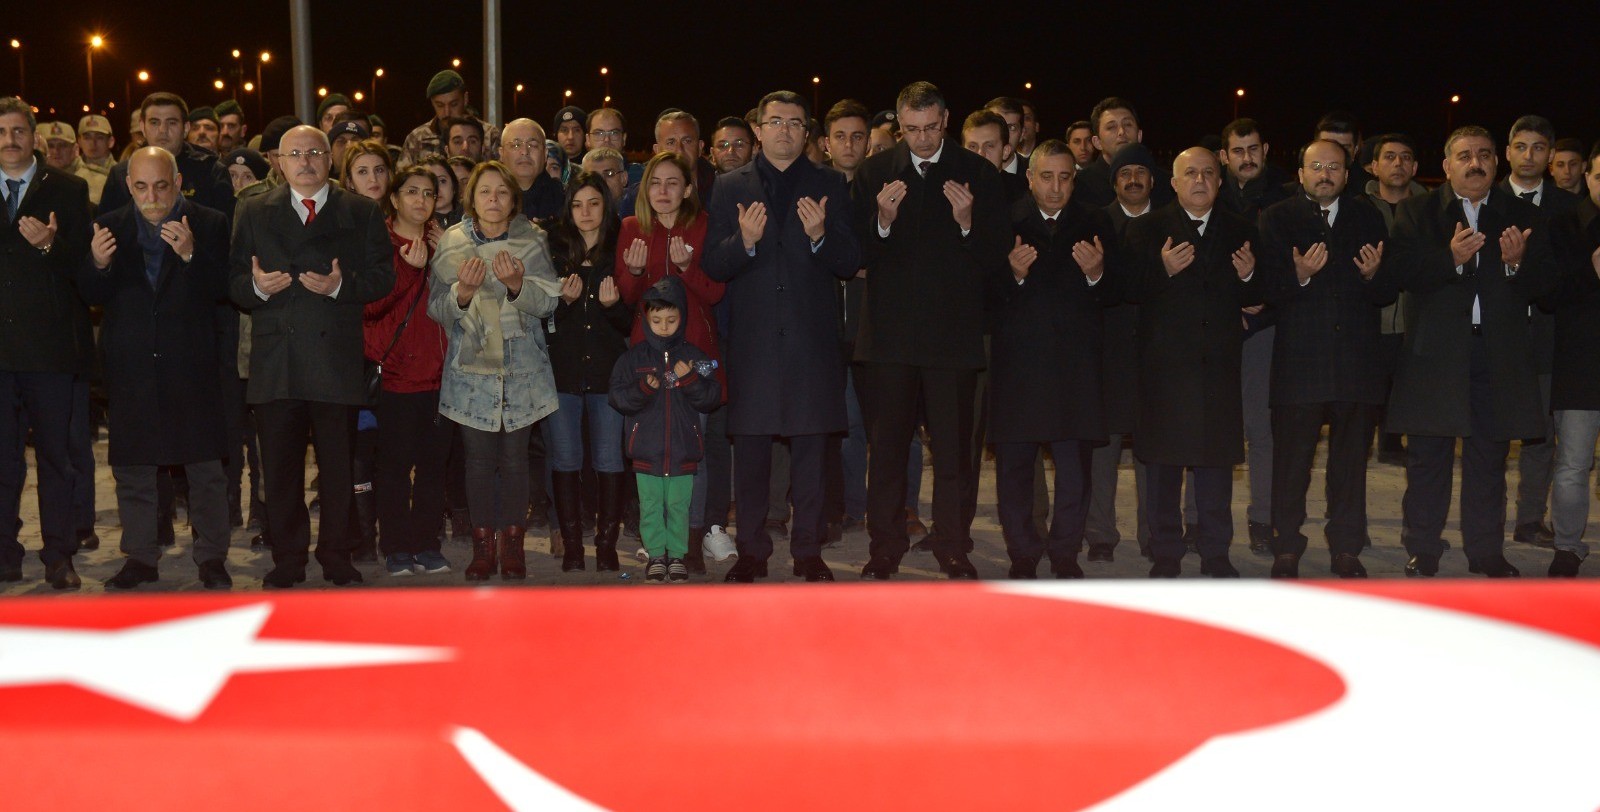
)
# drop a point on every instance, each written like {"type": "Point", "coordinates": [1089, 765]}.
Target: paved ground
{"type": "Point", "coordinates": [1386, 559]}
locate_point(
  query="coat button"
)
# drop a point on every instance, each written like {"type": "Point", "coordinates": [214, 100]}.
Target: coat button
{"type": "Point", "coordinates": [783, 332]}
{"type": "Point", "coordinates": [780, 288]}
{"type": "Point", "coordinates": [1205, 322]}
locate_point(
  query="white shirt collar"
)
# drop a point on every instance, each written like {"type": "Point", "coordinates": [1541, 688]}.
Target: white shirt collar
{"type": "Point", "coordinates": [1516, 189]}
{"type": "Point", "coordinates": [321, 198]}
{"type": "Point", "coordinates": [1142, 212]}
{"type": "Point", "coordinates": [27, 175]}
{"type": "Point", "coordinates": [1205, 219]}
{"type": "Point", "coordinates": [933, 159]}
{"type": "Point", "coordinates": [1048, 217]}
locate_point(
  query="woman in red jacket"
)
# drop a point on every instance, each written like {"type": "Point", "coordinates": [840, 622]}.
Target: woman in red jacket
{"type": "Point", "coordinates": [665, 236]}
{"type": "Point", "coordinates": [412, 436]}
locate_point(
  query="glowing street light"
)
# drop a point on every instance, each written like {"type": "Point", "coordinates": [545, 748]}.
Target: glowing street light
{"type": "Point", "coordinates": [455, 63]}
{"type": "Point", "coordinates": [95, 42]}
{"type": "Point", "coordinates": [218, 84]}
{"type": "Point", "coordinates": [376, 75]}
{"type": "Point", "coordinates": [605, 75]}
{"type": "Point", "coordinates": [358, 96]}
{"type": "Point", "coordinates": [515, 92]}
{"type": "Point", "coordinates": [22, 73]}
{"type": "Point", "coordinates": [816, 86]}
{"type": "Point", "coordinates": [249, 87]}
{"type": "Point", "coordinates": [144, 76]}
{"type": "Point", "coordinates": [261, 99]}
{"type": "Point", "coordinates": [322, 92]}
{"type": "Point", "coordinates": [1237, 95]}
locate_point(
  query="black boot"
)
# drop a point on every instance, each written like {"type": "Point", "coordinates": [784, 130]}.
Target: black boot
{"type": "Point", "coordinates": [696, 559]}
{"type": "Point", "coordinates": [569, 518]}
{"type": "Point", "coordinates": [613, 489]}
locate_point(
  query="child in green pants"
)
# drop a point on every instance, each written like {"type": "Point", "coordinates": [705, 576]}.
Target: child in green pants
{"type": "Point", "coordinates": [661, 385]}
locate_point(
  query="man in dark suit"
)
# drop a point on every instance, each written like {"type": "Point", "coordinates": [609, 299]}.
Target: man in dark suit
{"type": "Point", "coordinates": [1321, 266]}
{"type": "Point", "coordinates": [1045, 360]}
{"type": "Point", "coordinates": [1116, 125]}
{"type": "Point", "coordinates": [1471, 259]}
{"type": "Point", "coordinates": [1527, 156]}
{"type": "Point", "coordinates": [984, 132]}
{"type": "Point", "coordinates": [1131, 172]}
{"type": "Point", "coordinates": [305, 258]}
{"type": "Point", "coordinates": [1251, 184]}
{"type": "Point", "coordinates": [1193, 270]}
{"type": "Point", "coordinates": [931, 219]}
{"type": "Point", "coordinates": [42, 346]}
{"type": "Point", "coordinates": [1575, 389]}
{"type": "Point", "coordinates": [164, 120]}
{"type": "Point", "coordinates": [159, 266]}
{"type": "Point", "coordinates": [780, 235]}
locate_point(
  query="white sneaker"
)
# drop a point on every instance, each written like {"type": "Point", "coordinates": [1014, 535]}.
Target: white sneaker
{"type": "Point", "coordinates": [641, 554]}
{"type": "Point", "coordinates": [718, 544]}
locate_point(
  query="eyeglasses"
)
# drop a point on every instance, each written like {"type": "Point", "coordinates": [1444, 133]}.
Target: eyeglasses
{"type": "Point", "coordinates": [305, 154]}
{"type": "Point", "coordinates": [931, 129]}
{"type": "Point", "coordinates": [1318, 166]}
{"type": "Point", "coordinates": [608, 133]}
{"type": "Point", "coordinates": [520, 145]}
{"type": "Point", "coordinates": [608, 173]}
{"type": "Point", "coordinates": [735, 144]}
{"type": "Point", "coordinates": [784, 123]}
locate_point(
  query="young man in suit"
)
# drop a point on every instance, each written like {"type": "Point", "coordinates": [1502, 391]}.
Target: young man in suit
{"type": "Point", "coordinates": [1472, 258]}
{"type": "Point", "coordinates": [1193, 268]}
{"type": "Point", "coordinates": [305, 257]}
{"type": "Point", "coordinates": [44, 340]}
{"type": "Point", "coordinates": [780, 237]}
{"type": "Point", "coordinates": [1321, 263]}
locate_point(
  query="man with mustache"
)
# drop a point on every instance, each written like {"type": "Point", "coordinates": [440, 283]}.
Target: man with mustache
{"type": "Point", "coordinates": [44, 341]}
{"type": "Point", "coordinates": [1473, 258]}
{"type": "Point", "coordinates": [232, 128]}
{"type": "Point", "coordinates": [204, 128]}
{"type": "Point", "coordinates": [159, 265]}
{"type": "Point", "coordinates": [1528, 155]}
{"type": "Point", "coordinates": [1115, 124]}
{"type": "Point", "coordinates": [1131, 170]}
{"type": "Point", "coordinates": [1193, 268]}
{"type": "Point", "coordinates": [1321, 260]}
{"type": "Point", "coordinates": [447, 93]}
{"type": "Point", "coordinates": [305, 258]}
{"type": "Point", "coordinates": [1251, 185]}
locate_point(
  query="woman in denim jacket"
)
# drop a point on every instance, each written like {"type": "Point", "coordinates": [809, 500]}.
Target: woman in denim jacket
{"type": "Point", "coordinates": [492, 284]}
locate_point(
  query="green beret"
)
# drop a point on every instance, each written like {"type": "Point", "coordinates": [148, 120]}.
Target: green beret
{"type": "Point", "coordinates": [445, 81]}
{"type": "Point", "coordinates": [202, 113]}
{"type": "Point", "coordinates": [331, 100]}
{"type": "Point", "coordinates": [229, 108]}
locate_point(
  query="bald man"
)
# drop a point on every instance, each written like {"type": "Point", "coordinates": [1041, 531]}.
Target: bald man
{"type": "Point", "coordinates": [159, 266]}
{"type": "Point", "coordinates": [1193, 268]}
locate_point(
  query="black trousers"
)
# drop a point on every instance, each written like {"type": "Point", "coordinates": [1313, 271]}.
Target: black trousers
{"type": "Point", "coordinates": [208, 510]}
{"type": "Point", "coordinates": [43, 402]}
{"type": "Point", "coordinates": [1015, 483]}
{"type": "Point", "coordinates": [1213, 496]}
{"type": "Point", "coordinates": [286, 427]}
{"type": "Point", "coordinates": [752, 465]}
{"type": "Point", "coordinates": [891, 393]}
{"type": "Point", "coordinates": [1296, 429]}
{"type": "Point", "coordinates": [1430, 466]}
{"type": "Point", "coordinates": [413, 441]}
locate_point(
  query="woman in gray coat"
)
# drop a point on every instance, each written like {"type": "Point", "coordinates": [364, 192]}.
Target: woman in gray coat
{"type": "Point", "coordinates": [492, 284]}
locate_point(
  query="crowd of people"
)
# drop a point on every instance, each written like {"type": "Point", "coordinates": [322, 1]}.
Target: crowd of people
{"type": "Point", "coordinates": [487, 330]}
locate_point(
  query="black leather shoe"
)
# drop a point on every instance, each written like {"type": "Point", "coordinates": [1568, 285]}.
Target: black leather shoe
{"type": "Point", "coordinates": [1166, 568]}
{"type": "Point", "coordinates": [1538, 534]}
{"type": "Point", "coordinates": [879, 568]}
{"type": "Point", "coordinates": [1261, 539]}
{"type": "Point", "coordinates": [10, 572]}
{"type": "Point", "coordinates": [956, 565]}
{"type": "Point", "coordinates": [340, 573]}
{"type": "Point", "coordinates": [1346, 565]}
{"type": "Point", "coordinates": [1286, 565]}
{"type": "Point", "coordinates": [1565, 565]}
{"type": "Point", "coordinates": [1218, 566]}
{"type": "Point", "coordinates": [1102, 552]}
{"type": "Point", "coordinates": [214, 575]}
{"type": "Point", "coordinates": [260, 541]}
{"type": "Point", "coordinates": [1496, 567]}
{"type": "Point", "coordinates": [283, 577]}
{"type": "Point", "coordinates": [1067, 569]}
{"type": "Point", "coordinates": [61, 575]}
{"type": "Point", "coordinates": [133, 573]}
{"type": "Point", "coordinates": [1023, 569]}
{"type": "Point", "coordinates": [1422, 565]}
{"type": "Point", "coordinates": [746, 570]}
{"type": "Point", "coordinates": [89, 541]}
{"type": "Point", "coordinates": [815, 570]}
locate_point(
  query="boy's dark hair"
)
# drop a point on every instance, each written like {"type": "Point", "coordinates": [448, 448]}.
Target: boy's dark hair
{"type": "Point", "coordinates": [657, 305]}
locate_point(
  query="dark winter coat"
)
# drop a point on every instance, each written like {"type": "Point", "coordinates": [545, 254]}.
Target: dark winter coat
{"type": "Point", "coordinates": [586, 338]}
{"type": "Point", "coordinates": [662, 425]}
{"type": "Point", "coordinates": [1575, 380]}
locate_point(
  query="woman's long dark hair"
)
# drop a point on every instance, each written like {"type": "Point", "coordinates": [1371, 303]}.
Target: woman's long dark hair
{"type": "Point", "coordinates": [567, 243]}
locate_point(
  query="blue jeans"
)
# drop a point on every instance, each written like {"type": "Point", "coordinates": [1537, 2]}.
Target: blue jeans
{"type": "Point", "coordinates": [563, 434]}
{"type": "Point", "coordinates": [853, 454]}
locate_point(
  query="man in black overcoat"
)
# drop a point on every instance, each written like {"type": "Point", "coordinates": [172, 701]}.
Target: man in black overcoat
{"type": "Point", "coordinates": [1471, 259]}
{"type": "Point", "coordinates": [1193, 268]}
{"type": "Point", "coordinates": [1321, 263]}
{"type": "Point", "coordinates": [305, 258]}
{"type": "Point", "coordinates": [781, 237]}
{"type": "Point", "coordinates": [159, 266]}
{"type": "Point", "coordinates": [931, 219]}
{"type": "Point", "coordinates": [1045, 359]}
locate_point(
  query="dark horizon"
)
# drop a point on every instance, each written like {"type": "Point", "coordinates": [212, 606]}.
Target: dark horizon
{"type": "Point", "coordinates": [1398, 78]}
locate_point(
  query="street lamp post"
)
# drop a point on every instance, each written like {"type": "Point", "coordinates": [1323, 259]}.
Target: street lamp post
{"type": "Point", "coordinates": [94, 42]}
{"type": "Point", "coordinates": [605, 75]}
{"type": "Point", "coordinates": [238, 72]}
{"type": "Point", "coordinates": [22, 73]}
{"type": "Point", "coordinates": [816, 87]}
{"type": "Point", "coordinates": [376, 75]}
{"type": "Point", "coordinates": [127, 87]}
{"type": "Point", "coordinates": [261, 89]}
{"type": "Point", "coordinates": [1238, 95]}
{"type": "Point", "coordinates": [515, 92]}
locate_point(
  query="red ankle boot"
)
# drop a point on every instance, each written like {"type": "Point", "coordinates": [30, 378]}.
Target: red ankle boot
{"type": "Point", "coordinates": [513, 564]}
{"type": "Point", "coordinates": [484, 540]}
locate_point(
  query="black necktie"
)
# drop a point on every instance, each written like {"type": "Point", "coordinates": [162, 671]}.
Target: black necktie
{"type": "Point", "coordinates": [1050, 225]}
{"type": "Point", "coordinates": [1528, 196]}
{"type": "Point", "coordinates": [922, 167]}
{"type": "Point", "coordinates": [1196, 224]}
{"type": "Point", "coordinates": [14, 199]}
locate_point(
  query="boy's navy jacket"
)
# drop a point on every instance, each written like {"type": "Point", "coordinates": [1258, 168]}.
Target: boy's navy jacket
{"type": "Point", "coordinates": [663, 425]}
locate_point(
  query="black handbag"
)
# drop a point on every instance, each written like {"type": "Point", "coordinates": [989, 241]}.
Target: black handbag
{"type": "Point", "coordinates": [374, 370]}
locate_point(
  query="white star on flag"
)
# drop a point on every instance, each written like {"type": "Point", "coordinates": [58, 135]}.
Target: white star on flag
{"type": "Point", "coordinates": [177, 667]}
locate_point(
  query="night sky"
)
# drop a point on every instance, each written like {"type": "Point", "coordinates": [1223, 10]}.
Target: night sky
{"type": "Point", "coordinates": [1394, 65]}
